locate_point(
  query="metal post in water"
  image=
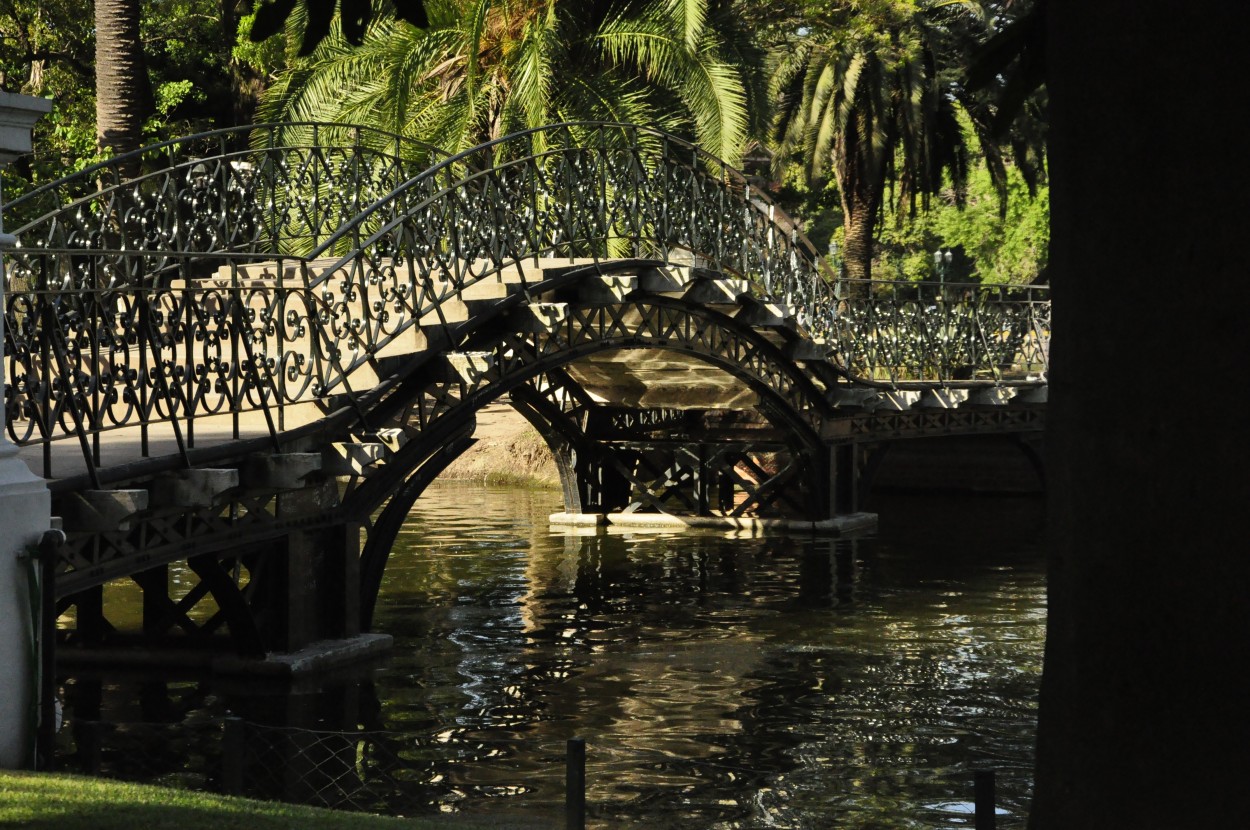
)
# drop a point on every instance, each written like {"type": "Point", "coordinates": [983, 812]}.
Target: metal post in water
{"type": "Point", "coordinates": [983, 796]}
{"type": "Point", "coordinates": [575, 785]}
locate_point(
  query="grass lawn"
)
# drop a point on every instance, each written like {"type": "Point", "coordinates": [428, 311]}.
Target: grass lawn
{"type": "Point", "coordinates": [67, 802]}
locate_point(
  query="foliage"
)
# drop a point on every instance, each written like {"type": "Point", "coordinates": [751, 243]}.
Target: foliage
{"type": "Point", "coordinates": [815, 204]}
{"type": "Point", "coordinates": [864, 97]}
{"type": "Point", "coordinates": [871, 93]}
{"type": "Point", "coordinates": [990, 246]}
{"type": "Point", "coordinates": [484, 68]}
{"type": "Point", "coordinates": [47, 47]}
{"type": "Point", "coordinates": [318, 16]}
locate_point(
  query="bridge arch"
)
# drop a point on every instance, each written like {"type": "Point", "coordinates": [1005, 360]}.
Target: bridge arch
{"type": "Point", "coordinates": [527, 361]}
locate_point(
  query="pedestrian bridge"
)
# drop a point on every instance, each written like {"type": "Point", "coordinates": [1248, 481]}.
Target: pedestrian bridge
{"type": "Point", "coordinates": [250, 351]}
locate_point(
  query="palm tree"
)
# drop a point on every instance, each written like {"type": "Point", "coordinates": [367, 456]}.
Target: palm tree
{"type": "Point", "coordinates": [484, 68]}
{"type": "Point", "coordinates": [869, 102]}
{"type": "Point", "coordinates": [123, 90]}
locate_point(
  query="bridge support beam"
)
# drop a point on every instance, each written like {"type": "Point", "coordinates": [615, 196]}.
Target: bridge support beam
{"type": "Point", "coordinates": [311, 587]}
{"type": "Point", "coordinates": [844, 484]}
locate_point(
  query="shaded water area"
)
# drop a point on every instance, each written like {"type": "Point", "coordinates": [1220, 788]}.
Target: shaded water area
{"type": "Point", "coordinates": [719, 681]}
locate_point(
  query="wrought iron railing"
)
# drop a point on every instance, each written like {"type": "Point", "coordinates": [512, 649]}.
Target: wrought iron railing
{"type": "Point", "coordinates": [224, 279]}
{"type": "Point", "coordinates": [270, 189]}
{"type": "Point", "coordinates": [954, 334]}
{"type": "Point", "coordinates": [597, 191]}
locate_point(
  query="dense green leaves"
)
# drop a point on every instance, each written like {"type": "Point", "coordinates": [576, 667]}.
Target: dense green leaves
{"type": "Point", "coordinates": [484, 68]}
{"type": "Point", "coordinates": [876, 124]}
{"type": "Point", "coordinates": [871, 93]}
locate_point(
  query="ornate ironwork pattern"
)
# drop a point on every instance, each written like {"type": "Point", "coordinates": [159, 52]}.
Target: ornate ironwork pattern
{"type": "Point", "coordinates": [267, 189]}
{"type": "Point", "coordinates": [900, 333]}
{"type": "Point", "coordinates": [203, 276]}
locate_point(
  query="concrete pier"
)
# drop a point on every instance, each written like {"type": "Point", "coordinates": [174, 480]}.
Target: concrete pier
{"type": "Point", "coordinates": [25, 505]}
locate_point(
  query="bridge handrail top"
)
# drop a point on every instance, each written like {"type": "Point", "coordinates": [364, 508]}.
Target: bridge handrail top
{"type": "Point", "coordinates": [949, 286]}
{"type": "Point", "coordinates": [272, 127]}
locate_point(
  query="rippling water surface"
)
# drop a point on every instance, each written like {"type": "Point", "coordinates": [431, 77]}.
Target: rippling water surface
{"type": "Point", "coordinates": [719, 681]}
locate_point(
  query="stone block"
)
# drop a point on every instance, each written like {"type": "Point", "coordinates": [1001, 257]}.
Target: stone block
{"type": "Point", "coordinates": [192, 488]}
{"type": "Point", "coordinates": [940, 399]}
{"type": "Point", "coordinates": [484, 289]}
{"type": "Point", "coordinates": [988, 396]}
{"type": "Point", "coordinates": [670, 280]}
{"type": "Point", "coordinates": [392, 439]}
{"type": "Point", "coordinates": [606, 288]}
{"type": "Point", "coordinates": [102, 511]}
{"type": "Point", "coordinates": [348, 458]}
{"type": "Point", "coordinates": [470, 366]}
{"type": "Point", "coordinates": [765, 314]}
{"type": "Point", "coordinates": [1030, 396]}
{"type": "Point", "coordinates": [723, 291]}
{"type": "Point", "coordinates": [449, 310]}
{"type": "Point", "coordinates": [858, 397]}
{"type": "Point", "coordinates": [544, 317]}
{"type": "Point", "coordinates": [895, 400]}
{"type": "Point", "coordinates": [807, 349]}
{"type": "Point", "coordinates": [282, 471]}
{"type": "Point", "coordinates": [577, 519]}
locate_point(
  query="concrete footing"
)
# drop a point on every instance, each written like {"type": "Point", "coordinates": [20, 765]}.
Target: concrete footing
{"type": "Point", "coordinates": [578, 519]}
{"type": "Point", "coordinates": [836, 526]}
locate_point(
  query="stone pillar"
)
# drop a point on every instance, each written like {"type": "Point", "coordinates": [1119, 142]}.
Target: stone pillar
{"type": "Point", "coordinates": [25, 504]}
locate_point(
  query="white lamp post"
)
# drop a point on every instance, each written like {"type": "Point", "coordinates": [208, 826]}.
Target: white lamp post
{"type": "Point", "coordinates": [942, 263]}
{"type": "Point", "coordinates": [25, 504]}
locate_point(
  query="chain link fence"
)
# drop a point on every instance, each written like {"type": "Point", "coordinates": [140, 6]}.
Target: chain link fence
{"type": "Point", "coordinates": [376, 771]}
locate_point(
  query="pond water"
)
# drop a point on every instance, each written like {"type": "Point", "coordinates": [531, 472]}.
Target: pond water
{"type": "Point", "coordinates": [719, 681]}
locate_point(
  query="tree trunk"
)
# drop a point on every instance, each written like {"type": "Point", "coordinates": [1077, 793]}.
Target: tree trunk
{"type": "Point", "coordinates": [859, 215]}
{"type": "Point", "coordinates": [123, 91]}
{"type": "Point", "coordinates": [1143, 720]}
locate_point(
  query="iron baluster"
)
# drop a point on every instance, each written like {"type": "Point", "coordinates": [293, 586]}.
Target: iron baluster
{"type": "Point", "coordinates": [45, 382]}
{"type": "Point", "coordinates": [166, 393]}
{"type": "Point", "coordinates": [70, 379]}
{"type": "Point", "coordinates": [246, 336]}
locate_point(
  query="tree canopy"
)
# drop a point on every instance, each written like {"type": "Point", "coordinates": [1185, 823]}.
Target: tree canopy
{"type": "Point", "coordinates": [484, 68]}
{"type": "Point", "coordinates": [877, 138]}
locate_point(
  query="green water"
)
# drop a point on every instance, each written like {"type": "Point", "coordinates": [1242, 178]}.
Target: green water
{"type": "Point", "coordinates": [719, 681]}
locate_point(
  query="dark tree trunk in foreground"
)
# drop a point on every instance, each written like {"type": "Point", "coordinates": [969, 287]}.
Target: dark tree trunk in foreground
{"type": "Point", "coordinates": [123, 91]}
{"type": "Point", "coordinates": [1145, 709]}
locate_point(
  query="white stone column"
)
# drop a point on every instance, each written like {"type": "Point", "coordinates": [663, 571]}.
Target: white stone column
{"type": "Point", "coordinates": [25, 504]}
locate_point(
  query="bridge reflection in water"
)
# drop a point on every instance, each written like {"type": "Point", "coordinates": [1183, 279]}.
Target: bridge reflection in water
{"type": "Point", "coordinates": [736, 682]}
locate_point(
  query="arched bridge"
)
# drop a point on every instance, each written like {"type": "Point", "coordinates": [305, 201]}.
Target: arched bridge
{"type": "Point", "coordinates": [250, 350]}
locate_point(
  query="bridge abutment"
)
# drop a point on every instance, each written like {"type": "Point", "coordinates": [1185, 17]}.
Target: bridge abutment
{"type": "Point", "coordinates": [25, 505]}
{"type": "Point", "coordinates": [25, 515]}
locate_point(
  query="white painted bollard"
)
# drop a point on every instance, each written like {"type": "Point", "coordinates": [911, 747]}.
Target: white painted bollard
{"type": "Point", "coordinates": [25, 504]}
